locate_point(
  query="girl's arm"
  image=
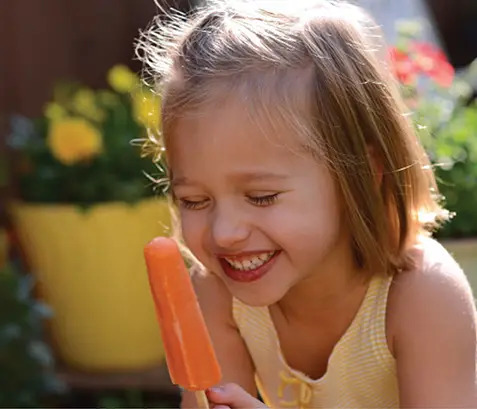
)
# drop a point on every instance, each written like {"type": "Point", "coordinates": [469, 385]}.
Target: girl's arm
{"type": "Point", "coordinates": [234, 359]}
{"type": "Point", "coordinates": [433, 325]}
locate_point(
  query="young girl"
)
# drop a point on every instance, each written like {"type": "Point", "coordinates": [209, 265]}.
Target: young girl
{"type": "Point", "coordinates": [306, 197]}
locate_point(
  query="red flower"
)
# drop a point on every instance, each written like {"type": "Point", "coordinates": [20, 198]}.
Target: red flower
{"type": "Point", "coordinates": [403, 67]}
{"type": "Point", "coordinates": [433, 62]}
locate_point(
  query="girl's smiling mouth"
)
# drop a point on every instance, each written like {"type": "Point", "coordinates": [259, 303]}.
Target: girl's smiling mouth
{"type": "Point", "coordinates": [248, 267]}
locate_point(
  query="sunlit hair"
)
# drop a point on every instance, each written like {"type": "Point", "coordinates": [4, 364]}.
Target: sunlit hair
{"type": "Point", "coordinates": [320, 69]}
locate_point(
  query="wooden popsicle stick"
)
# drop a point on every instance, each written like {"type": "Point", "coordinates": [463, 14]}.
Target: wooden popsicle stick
{"type": "Point", "coordinates": [202, 402]}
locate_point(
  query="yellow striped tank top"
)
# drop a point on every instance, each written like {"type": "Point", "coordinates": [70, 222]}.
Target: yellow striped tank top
{"type": "Point", "coordinates": [361, 371]}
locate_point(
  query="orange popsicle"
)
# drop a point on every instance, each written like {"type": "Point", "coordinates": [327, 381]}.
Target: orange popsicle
{"type": "Point", "coordinates": [190, 356]}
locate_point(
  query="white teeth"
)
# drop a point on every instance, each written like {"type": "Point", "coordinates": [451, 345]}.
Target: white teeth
{"type": "Point", "coordinates": [251, 263]}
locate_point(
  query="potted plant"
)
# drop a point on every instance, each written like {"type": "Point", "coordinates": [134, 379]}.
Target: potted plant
{"type": "Point", "coordinates": [444, 111]}
{"type": "Point", "coordinates": [84, 212]}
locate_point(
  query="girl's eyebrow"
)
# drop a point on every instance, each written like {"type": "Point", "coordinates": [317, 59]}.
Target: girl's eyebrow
{"type": "Point", "coordinates": [256, 176]}
{"type": "Point", "coordinates": [182, 181]}
{"type": "Point", "coordinates": [240, 177]}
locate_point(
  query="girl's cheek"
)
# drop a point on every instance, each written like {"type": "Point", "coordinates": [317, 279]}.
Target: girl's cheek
{"type": "Point", "coordinates": [189, 231]}
{"type": "Point", "coordinates": [193, 232]}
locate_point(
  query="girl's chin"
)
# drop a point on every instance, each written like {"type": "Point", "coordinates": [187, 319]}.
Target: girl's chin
{"type": "Point", "coordinates": [258, 294]}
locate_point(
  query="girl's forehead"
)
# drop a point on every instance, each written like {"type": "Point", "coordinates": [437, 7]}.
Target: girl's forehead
{"type": "Point", "coordinates": [221, 144]}
{"type": "Point", "coordinates": [266, 112]}
{"type": "Point", "coordinates": [230, 122]}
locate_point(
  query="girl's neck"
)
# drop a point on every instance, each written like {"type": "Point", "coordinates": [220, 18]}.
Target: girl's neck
{"type": "Point", "coordinates": [336, 286]}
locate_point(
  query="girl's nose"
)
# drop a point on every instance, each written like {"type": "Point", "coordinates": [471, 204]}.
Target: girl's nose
{"type": "Point", "coordinates": [229, 228]}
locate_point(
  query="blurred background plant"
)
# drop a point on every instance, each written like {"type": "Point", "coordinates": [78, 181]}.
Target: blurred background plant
{"type": "Point", "coordinates": [79, 151]}
{"type": "Point", "coordinates": [444, 110]}
{"type": "Point", "coordinates": [27, 366]}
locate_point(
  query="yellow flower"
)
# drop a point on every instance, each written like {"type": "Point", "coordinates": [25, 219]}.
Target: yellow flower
{"type": "Point", "coordinates": [54, 111]}
{"type": "Point", "coordinates": [122, 79]}
{"type": "Point", "coordinates": [72, 140]}
{"type": "Point", "coordinates": [147, 109]}
{"type": "Point", "coordinates": [84, 104]}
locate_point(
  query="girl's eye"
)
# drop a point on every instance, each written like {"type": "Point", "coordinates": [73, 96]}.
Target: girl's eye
{"type": "Point", "coordinates": [266, 200]}
{"type": "Point", "coordinates": [193, 204]}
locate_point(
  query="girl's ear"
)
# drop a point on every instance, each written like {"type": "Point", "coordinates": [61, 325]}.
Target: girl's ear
{"type": "Point", "coordinates": [376, 164]}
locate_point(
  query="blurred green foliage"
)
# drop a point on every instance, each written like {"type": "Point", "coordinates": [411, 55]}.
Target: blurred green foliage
{"type": "Point", "coordinates": [26, 375]}
{"type": "Point", "coordinates": [454, 151]}
{"type": "Point", "coordinates": [444, 111]}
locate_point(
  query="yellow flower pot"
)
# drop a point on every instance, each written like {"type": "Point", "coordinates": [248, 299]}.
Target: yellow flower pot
{"type": "Point", "coordinates": [91, 272]}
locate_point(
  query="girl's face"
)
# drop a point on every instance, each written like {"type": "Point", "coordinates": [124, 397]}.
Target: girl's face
{"type": "Point", "coordinates": [254, 211]}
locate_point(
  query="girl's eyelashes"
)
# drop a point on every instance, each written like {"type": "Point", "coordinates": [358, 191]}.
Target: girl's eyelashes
{"type": "Point", "coordinates": [193, 204]}
{"type": "Point", "coordinates": [199, 204]}
{"type": "Point", "coordinates": [263, 201]}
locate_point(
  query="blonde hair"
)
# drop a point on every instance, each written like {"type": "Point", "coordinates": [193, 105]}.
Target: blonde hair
{"type": "Point", "coordinates": [320, 68]}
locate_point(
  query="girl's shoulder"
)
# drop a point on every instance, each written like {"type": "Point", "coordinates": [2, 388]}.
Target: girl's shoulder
{"type": "Point", "coordinates": [432, 256]}
{"type": "Point", "coordinates": [432, 331]}
{"type": "Point", "coordinates": [431, 262]}
{"type": "Point", "coordinates": [435, 289]}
